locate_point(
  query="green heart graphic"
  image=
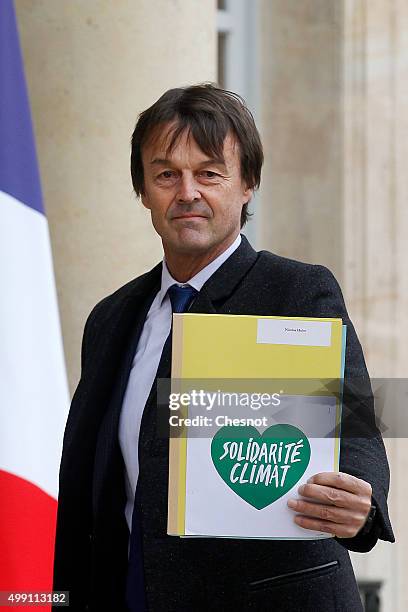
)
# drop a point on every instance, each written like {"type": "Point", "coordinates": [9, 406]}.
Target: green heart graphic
{"type": "Point", "coordinates": [260, 468]}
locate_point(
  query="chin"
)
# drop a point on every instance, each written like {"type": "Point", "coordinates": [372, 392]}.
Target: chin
{"type": "Point", "coordinates": [192, 240]}
{"type": "Point", "coordinates": [192, 246]}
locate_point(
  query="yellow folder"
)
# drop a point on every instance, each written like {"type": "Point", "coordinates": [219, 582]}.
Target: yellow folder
{"type": "Point", "coordinates": [234, 347]}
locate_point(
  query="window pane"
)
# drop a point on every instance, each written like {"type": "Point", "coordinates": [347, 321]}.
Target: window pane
{"type": "Point", "coordinates": [221, 59]}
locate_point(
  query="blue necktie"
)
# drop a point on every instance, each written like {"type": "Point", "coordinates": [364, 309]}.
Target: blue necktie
{"type": "Point", "coordinates": [180, 298]}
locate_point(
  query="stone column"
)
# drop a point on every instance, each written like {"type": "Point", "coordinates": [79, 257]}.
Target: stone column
{"type": "Point", "coordinates": [335, 187]}
{"type": "Point", "coordinates": [301, 129]}
{"type": "Point", "coordinates": [375, 70]}
{"type": "Point", "coordinates": [91, 68]}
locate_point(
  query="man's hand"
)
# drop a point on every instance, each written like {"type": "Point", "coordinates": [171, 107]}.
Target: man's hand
{"type": "Point", "coordinates": [337, 503]}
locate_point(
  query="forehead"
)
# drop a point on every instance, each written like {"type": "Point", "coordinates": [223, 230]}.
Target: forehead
{"type": "Point", "coordinates": [161, 144]}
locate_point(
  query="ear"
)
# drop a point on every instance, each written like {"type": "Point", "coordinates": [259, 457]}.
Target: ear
{"type": "Point", "coordinates": [247, 195]}
{"type": "Point", "coordinates": [145, 200]}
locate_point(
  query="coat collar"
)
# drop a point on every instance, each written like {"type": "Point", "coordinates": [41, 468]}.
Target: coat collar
{"type": "Point", "coordinates": [224, 281]}
{"type": "Point", "coordinates": [216, 289]}
{"type": "Point", "coordinates": [126, 309]}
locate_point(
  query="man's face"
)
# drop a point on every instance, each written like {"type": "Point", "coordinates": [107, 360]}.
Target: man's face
{"type": "Point", "coordinates": [195, 201]}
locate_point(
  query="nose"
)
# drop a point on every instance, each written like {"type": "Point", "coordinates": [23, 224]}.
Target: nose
{"type": "Point", "coordinates": [187, 191]}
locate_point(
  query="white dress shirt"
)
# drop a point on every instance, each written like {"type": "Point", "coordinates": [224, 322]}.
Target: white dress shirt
{"type": "Point", "coordinates": [144, 368]}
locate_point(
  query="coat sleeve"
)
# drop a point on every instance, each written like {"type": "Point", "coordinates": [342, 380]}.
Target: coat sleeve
{"type": "Point", "coordinates": [362, 451]}
{"type": "Point", "coordinates": [72, 544]}
{"type": "Point", "coordinates": [74, 521]}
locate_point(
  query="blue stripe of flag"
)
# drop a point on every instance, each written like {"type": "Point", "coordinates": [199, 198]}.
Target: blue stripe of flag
{"type": "Point", "coordinates": [19, 175]}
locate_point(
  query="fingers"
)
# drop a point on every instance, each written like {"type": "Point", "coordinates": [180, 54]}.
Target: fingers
{"type": "Point", "coordinates": [326, 514]}
{"type": "Point", "coordinates": [338, 530]}
{"type": "Point", "coordinates": [337, 503]}
{"type": "Point", "coordinates": [342, 481]}
{"type": "Point", "coordinates": [335, 497]}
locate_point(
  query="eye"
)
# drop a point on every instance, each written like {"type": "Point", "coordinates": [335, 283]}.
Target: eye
{"type": "Point", "coordinates": [166, 174]}
{"type": "Point", "coordinates": [209, 174]}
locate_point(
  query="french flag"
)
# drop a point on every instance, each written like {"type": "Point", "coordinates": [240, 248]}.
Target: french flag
{"type": "Point", "coordinates": [33, 387]}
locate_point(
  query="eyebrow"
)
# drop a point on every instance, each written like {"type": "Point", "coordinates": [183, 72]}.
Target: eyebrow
{"type": "Point", "coordinates": [158, 161]}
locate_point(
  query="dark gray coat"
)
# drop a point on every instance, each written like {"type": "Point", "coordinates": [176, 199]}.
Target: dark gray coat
{"type": "Point", "coordinates": [198, 574]}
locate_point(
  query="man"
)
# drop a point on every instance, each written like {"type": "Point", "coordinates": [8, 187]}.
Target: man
{"type": "Point", "coordinates": [196, 159]}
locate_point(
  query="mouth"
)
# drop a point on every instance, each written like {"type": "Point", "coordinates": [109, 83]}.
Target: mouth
{"type": "Point", "coordinates": [189, 217]}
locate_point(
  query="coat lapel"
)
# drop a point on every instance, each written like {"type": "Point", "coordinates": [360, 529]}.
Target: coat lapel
{"type": "Point", "coordinates": [226, 280]}
{"type": "Point", "coordinates": [115, 362]}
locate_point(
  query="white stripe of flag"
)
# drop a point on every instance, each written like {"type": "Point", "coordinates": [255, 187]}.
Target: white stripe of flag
{"type": "Point", "coordinates": [33, 388]}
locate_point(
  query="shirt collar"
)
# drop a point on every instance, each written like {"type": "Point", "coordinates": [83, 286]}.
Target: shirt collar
{"type": "Point", "coordinates": [198, 280]}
